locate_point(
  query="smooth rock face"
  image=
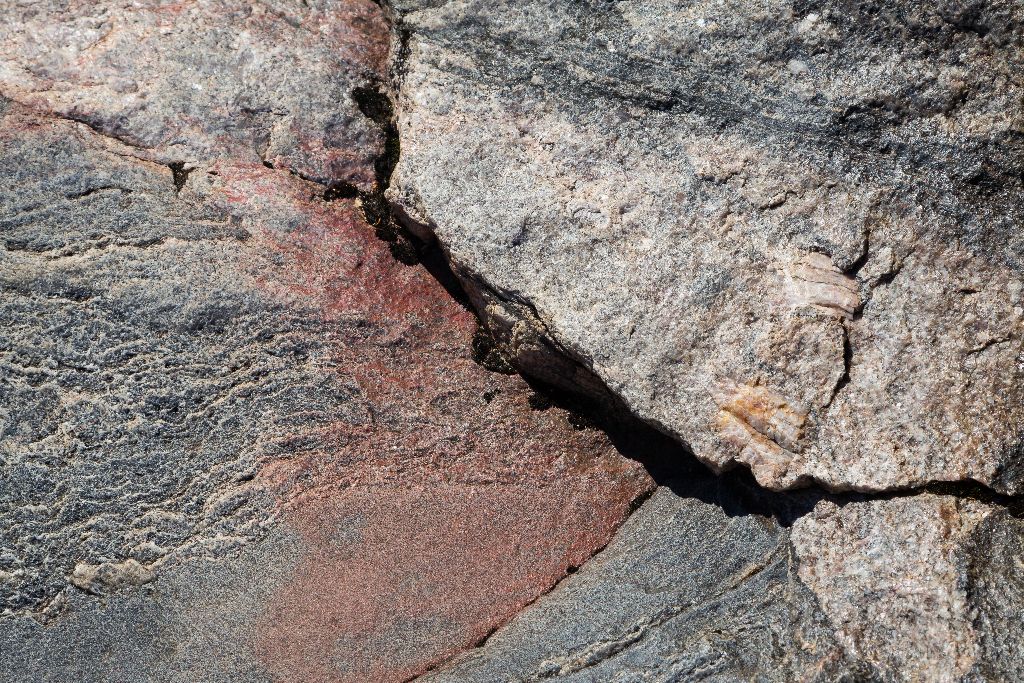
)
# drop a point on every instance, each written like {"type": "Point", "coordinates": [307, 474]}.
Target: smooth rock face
{"type": "Point", "coordinates": [685, 592]}
{"type": "Point", "coordinates": [240, 441]}
{"type": "Point", "coordinates": [925, 588]}
{"type": "Point", "coordinates": [187, 82]}
{"type": "Point", "coordinates": [787, 234]}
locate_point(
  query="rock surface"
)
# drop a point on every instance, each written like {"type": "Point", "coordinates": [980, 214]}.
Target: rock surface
{"type": "Point", "coordinates": [246, 436]}
{"type": "Point", "coordinates": [912, 587]}
{"type": "Point", "coordinates": [240, 441]}
{"type": "Point", "coordinates": [697, 585]}
{"type": "Point", "coordinates": [685, 592]}
{"type": "Point", "coordinates": [787, 234]}
{"type": "Point", "coordinates": [186, 82]}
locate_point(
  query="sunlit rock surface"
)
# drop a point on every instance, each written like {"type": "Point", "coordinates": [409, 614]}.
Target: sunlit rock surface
{"type": "Point", "coordinates": [814, 203]}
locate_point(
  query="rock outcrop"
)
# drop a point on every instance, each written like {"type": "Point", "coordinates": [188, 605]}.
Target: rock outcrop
{"type": "Point", "coordinates": [911, 587]}
{"type": "Point", "coordinates": [239, 440]}
{"type": "Point", "coordinates": [251, 429]}
{"type": "Point", "coordinates": [187, 82]}
{"type": "Point", "coordinates": [787, 234]}
{"type": "Point", "coordinates": [685, 592]}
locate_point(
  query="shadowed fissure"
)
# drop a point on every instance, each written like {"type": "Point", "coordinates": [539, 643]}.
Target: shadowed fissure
{"type": "Point", "coordinates": [669, 462]}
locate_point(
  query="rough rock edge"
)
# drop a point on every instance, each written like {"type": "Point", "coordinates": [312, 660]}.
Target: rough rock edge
{"type": "Point", "coordinates": [528, 345]}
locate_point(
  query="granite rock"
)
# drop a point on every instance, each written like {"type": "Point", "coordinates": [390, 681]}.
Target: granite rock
{"type": "Point", "coordinates": [708, 580]}
{"type": "Point", "coordinates": [922, 588]}
{"type": "Point", "coordinates": [785, 233]}
{"type": "Point", "coordinates": [241, 441]}
{"type": "Point", "coordinates": [188, 82]}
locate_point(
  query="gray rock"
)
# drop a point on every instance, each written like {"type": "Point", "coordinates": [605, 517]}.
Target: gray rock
{"type": "Point", "coordinates": [693, 587]}
{"type": "Point", "coordinates": [137, 369]}
{"type": "Point", "coordinates": [707, 581]}
{"type": "Point", "coordinates": [787, 234]}
{"type": "Point", "coordinates": [240, 441]}
{"type": "Point", "coordinates": [197, 622]}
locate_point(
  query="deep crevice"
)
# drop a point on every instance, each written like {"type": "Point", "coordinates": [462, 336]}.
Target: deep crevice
{"type": "Point", "coordinates": [179, 174]}
{"type": "Point", "coordinates": [844, 379]}
{"type": "Point", "coordinates": [670, 461]}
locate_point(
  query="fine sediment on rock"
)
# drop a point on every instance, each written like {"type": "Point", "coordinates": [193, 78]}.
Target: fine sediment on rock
{"type": "Point", "coordinates": [786, 234]}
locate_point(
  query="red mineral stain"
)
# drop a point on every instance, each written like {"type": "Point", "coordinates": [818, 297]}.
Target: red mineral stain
{"type": "Point", "coordinates": [396, 580]}
{"type": "Point", "coordinates": [438, 519]}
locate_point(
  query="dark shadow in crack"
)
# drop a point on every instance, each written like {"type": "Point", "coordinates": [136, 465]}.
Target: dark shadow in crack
{"type": "Point", "coordinates": [669, 461]}
{"type": "Point", "coordinates": [672, 465]}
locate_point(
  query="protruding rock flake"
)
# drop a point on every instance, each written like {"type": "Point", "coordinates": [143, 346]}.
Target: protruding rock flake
{"type": "Point", "coordinates": [815, 282]}
{"type": "Point", "coordinates": [762, 425]}
{"type": "Point", "coordinates": [110, 576]}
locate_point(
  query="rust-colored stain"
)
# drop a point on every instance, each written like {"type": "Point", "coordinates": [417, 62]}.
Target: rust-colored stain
{"type": "Point", "coordinates": [396, 580]}
{"type": "Point", "coordinates": [449, 509]}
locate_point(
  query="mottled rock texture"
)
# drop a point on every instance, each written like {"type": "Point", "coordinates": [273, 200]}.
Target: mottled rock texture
{"type": "Point", "coordinates": [708, 580]}
{"type": "Point", "coordinates": [924, 588]}
{"type": "Point", "coordinates": [240, 441]}
{"type": "Point", "coordinates": [245, 439]}
{"type": "Point", "coordinates": [786, 233]}
{"type": "Point", "coordinates": [186, 82]}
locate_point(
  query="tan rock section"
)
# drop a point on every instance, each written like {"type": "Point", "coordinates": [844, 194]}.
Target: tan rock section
{"type": "Point", "coordinates": [896, 580]}
{"type": "Point", "coordinates": [820, 203]}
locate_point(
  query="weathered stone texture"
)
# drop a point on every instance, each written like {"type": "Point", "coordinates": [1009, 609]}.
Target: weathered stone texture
{"type": "Point", "coordinates": [240, 441]}
{"type": "Point", "coordinates": [700, 585]}
{"type": "Point", "coordinates": [787, 234]}
{"type": "Point", "coordinates": [187, 82]}
{"type": "Point", "coordinates": [685, 592]}
{"type": "Point", "coordinates": [924, 588]}
{"type": "Point", "coordinates": [189, 370]}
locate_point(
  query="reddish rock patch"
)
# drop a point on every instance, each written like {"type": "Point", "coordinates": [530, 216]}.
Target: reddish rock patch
{"type": "Point", "coordinates": [432, 502]}
{"type": "Point", "coordinates": [454, 504]}
{"type": "Point", "coordinates": [396, 580]}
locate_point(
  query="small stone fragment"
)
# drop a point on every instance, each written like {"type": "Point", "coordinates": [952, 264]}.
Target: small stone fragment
{"type": "Point", "coordinates": [109, 577]}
